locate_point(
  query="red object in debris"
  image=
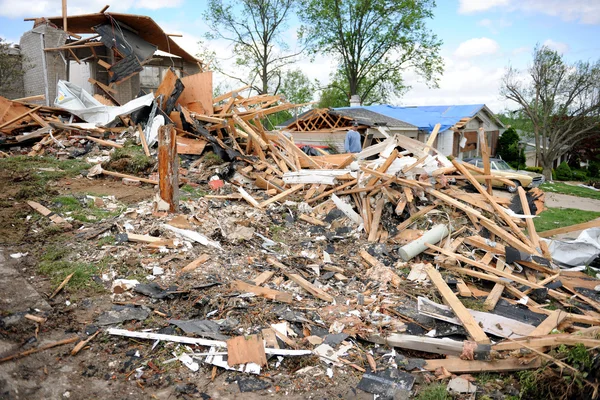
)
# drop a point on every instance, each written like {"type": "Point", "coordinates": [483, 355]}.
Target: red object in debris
{"type": "Point", "coordinates": [216, 184]}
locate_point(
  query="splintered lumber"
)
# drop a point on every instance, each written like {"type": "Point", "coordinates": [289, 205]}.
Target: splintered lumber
{"type": "Point", "coordinates": [132, 237]}
{"type": "Point", "coordinates": [62, 285]}
{"type": "Point", "coordinates": [529, 221]}
{"type": "Point", "coordinates": [120, 175]}
{"type": "Point", "coordinates": [485, 155]}
{"type": "Point", "coordinates": [57, 219]}
{"type": "Point", "coordinates": [413, 218]}
{"type": "Point", "coordinates": [250, 131]}
{"type": "Point", "coordinates": [310, 288]}
{"type": "Point", "coordinates": [463, 289]}
{"type": "Point", "coordinates": [484, 267]}
{"type": "Point", "coordinates": [106, 143]}
{"type": "Point", "coordinates": [499, 210]}
{"type": "Point", "coordinates": [376, 218]}
{"type": "Point", "coordinates": [21, 116]}
{"type": "Point", "coordinates": [430, 345]}
{"type": "Point", "coordinates": [79, 346]}
{"type": "Point", "coordinates": [281, 195]}
{"type": "Point", "coordinates": [549, 324]}
{"type": "Point", "coordinates": [458, 366]}
{"type": "Point", "coordinates": [384, 167]}
{"type": "Point", "coordinates": [38, 349]}
{"type": "Point", "coordinates": [496, 293]}
{"type": "Point", "coordinates": [459, 309]}
{"type": "Point", "coordinates": [546, 341]}
{"type": "Point", "coordinates": [263, 277]}
{"type": "Point", "coordinates": [311, 220]}
{"type": "Point", "coordinates": [168, 167]}
{"type": "Point", "coordinates": [195, 264]}
{"type": "Point", "coordinates": [264, 292]}
{"type": "Point", "coordinates": [246, 196]}
{"type": "Point", "coordinates": [143, 140]}
{"type": "Point", "coordinates": [572, 228]}
{"type": "Point", "coordinates": [246, 349]}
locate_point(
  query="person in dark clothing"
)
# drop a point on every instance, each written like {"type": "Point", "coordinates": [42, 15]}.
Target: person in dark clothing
{"type": "Point", "coordinates": [352, 141]}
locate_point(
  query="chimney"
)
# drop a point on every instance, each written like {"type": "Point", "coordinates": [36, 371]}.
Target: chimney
{"type": "Point", "coordinates": [355, 100]}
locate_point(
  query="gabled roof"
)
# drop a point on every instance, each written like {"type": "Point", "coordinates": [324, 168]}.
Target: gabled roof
{"type": "Point", "coordinates": [426, 117]}
{"type": "Point", "coordinates": [360, 115]}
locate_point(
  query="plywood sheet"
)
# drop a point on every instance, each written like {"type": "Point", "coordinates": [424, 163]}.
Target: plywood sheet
{"type": "Point", "coordinates": [198, 88]}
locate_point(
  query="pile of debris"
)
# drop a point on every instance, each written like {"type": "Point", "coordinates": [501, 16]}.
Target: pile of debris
{"type": "Point", "coordinates": [414, 226]}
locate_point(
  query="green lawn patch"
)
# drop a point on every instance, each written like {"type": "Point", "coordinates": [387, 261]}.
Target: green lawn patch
{"type": "Point", "coordinates": [55, 264]}
{"type": "Point", "coordinates": [554, 218]}
{"type": "Point", "coordinates": [83, 209]}
{"type": "Point", "coordinates": [563, 188]}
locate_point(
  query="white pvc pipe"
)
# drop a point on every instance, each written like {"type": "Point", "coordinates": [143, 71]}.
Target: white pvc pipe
{"type": "Point", "coordinates": [416, 247]}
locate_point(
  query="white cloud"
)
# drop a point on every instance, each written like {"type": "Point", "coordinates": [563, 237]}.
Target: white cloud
{"type": "Point", "coordinates": [47, 8]}
{"type": "Point", "coordinates": [562, 48]}
{"type": "Point", "coordinates": [473, 6]}
{"type": "Point", "coordinates": [583, 11]}
{"type": "Point", "coordinates": [477, 47]}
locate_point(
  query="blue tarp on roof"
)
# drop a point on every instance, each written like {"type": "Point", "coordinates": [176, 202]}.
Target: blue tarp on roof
{"type": "Point", "coordinates": [425, 117]}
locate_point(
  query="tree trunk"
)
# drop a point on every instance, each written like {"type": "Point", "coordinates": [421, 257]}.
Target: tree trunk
{"type": "Point", "coordinates": [547, 171]}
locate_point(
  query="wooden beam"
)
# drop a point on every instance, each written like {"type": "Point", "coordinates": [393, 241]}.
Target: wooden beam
{"type": "Point", "coordinates": [376, 219]}
{"type": "Point", "coordinates": [572, 228]}
{"type": "Point", "coordinates": [549, 323]}
{"type": "Point", "coordinates": [473, 329]}
{"type": "Point", "coordinates": [458, 366]}
{"type": "Point", "coordinates": [263, 292]}
{"type": "Point", "coordinates": [168, 166]}
{"type": "Point", "coordinates": [485, 156]}
{"type": "Point", "coordinates": [64, 15]}
{"type": "Point", "coordinates": [496, 293]}
{"type": "Point", "coordinates": [281, 195]}
{"type": "Point", "coordinates": [15, 119]}
{"type": "Point", "coordinates": [309, 287]}
{"type": "Point", "coordinates": [530, 225]}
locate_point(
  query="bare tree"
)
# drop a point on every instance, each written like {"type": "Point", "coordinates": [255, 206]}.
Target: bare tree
{"type": "Point", "coordinates": [255, 29]}
{"type": "Point", "coordinates": [11, 69]}
{"type": "Point", "coordinates": [562, 101]}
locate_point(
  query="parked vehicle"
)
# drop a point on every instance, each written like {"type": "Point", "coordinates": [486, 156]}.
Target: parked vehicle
{"type": "Point", "coordinates": [501, 169]}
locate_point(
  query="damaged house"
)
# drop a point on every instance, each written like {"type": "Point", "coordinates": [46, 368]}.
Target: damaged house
{"type": "Point", "coordinates": [457, 135]}
{"type": "Point", "coordinates": [112, 55]}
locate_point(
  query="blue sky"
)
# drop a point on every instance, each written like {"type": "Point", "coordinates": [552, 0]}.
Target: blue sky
{"type": "Point", "coordinates": [481, 37]}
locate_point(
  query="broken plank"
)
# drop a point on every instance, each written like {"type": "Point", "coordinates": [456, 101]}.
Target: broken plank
{"type": "Point", "coordinates": [549, 324]}
{"type": "Point", "coordinates": [195, 264]}
{"type": "Point", "coordinates": [496, 293]}
{"type": "Point", "coordinates": [246, 196]}
{"type": "Point", "coordinates": [459, 309]}
{"type": "Point", "coordinates": [458, 366]}
{"type": "Point", "coordinates": [264, 292]}
{"type": "Point", "coordinates": [376, 219]}
{"type": "Point", "coordinates": [106, 143]}
{"type": "Point", "coordinates": [529, 221]}
{"type": "Point", "coordinates": [311, 220]}
{"type": "Point", "coordinates": [309, 287]}
{"type": "Point", "coordinates": [572, 228]}
{"type": "Point", "coordinates": [263, 277]}
{"type": "Point", "coordinates": [281, 195]}
{"type": "Point", "coordinates": [57, 219]}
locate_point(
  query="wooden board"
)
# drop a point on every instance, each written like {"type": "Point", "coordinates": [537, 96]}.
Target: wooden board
{"type": "Point", "coordinates": [458, 366]}
{"type": "Point", "coordinates": [198, 88]}
{"type": "Point", "coordinates": [309, 287]}
{"type": "Point", "coordinates": [459, 309]}
{"type": "Point", "coordinates": [263, 292]}
{"type": "Point", "coordinates": [551, 322]}
{"type": "Point", "coordinates": [246, 349]}
{"type": "Point", "coordinates": [190, 146]}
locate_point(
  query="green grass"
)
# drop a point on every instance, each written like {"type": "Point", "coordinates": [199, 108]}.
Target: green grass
{"type": "Point", "coordinates": [473, 304]}
{"type": "Point", "coordinates": [434, 391]}
{"type": "Point", "coordinates": [83, 210]}
{"type": "Point", "coordinates": [137, 161]}
{"type": "Point", "coordinates": [563, 188]}
{"type": "Point", "coordinates": [34, 180]}
{"type": "Point", "coordinates": [554, 218]}
{"type": "Point", "coordinates": [53, 263]}
{"type": "Point", "coordinates": [188, 192]}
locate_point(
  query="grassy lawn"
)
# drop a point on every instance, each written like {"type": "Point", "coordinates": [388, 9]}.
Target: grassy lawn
{"type": "Point", "coordinates": [559, 187]}
{"type": "Point", "coordinates": [554, 218]}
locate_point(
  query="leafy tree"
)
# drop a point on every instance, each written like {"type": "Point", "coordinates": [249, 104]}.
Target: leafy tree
{"type": "Point", "coordinates": [509, 149]}
{"type": "Point", "coordinates": [374, 42]}
{"type": "Point", "coordinates": [11, 69]}
{"type": "Point", "coordinates": [297, 87]}
{"type": "Point", "coordinates": [561, 100]}
{"type": "Point", "coordinates": [255, 29]}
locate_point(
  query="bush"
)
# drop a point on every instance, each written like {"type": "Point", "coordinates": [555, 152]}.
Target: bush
{"type": "Point", "coordinates": [538, 170]}
{"type": "Point", "coordinates": [580, 175]}
{"type": "Point", "coordinates": [563, 172]}
{"type": "Point", "coordinates": [594, 169]}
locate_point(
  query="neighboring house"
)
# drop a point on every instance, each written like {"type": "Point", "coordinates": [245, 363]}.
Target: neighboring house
{"type": "Point", "coordinates": [139, 53]}
{"type": "Point", "coordinates": [326, 127]}
{"type": "Point", "coordinates": [531, 155]}
{"type": "Point", "coordinates": [459, 125]}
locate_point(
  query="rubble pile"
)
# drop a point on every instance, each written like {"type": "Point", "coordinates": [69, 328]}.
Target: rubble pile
{"type": "Point", "coordinates": [394, 264]}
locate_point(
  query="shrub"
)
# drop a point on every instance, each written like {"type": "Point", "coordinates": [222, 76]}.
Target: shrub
{"type": "Point", "coordinates": [580, 175]}
{"type": "Point", "coordinates": [594, 169]}
{"type": "Point", "coordinates": [563, 172]}
{"type": "Point", "coordinates": [538, 170]}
